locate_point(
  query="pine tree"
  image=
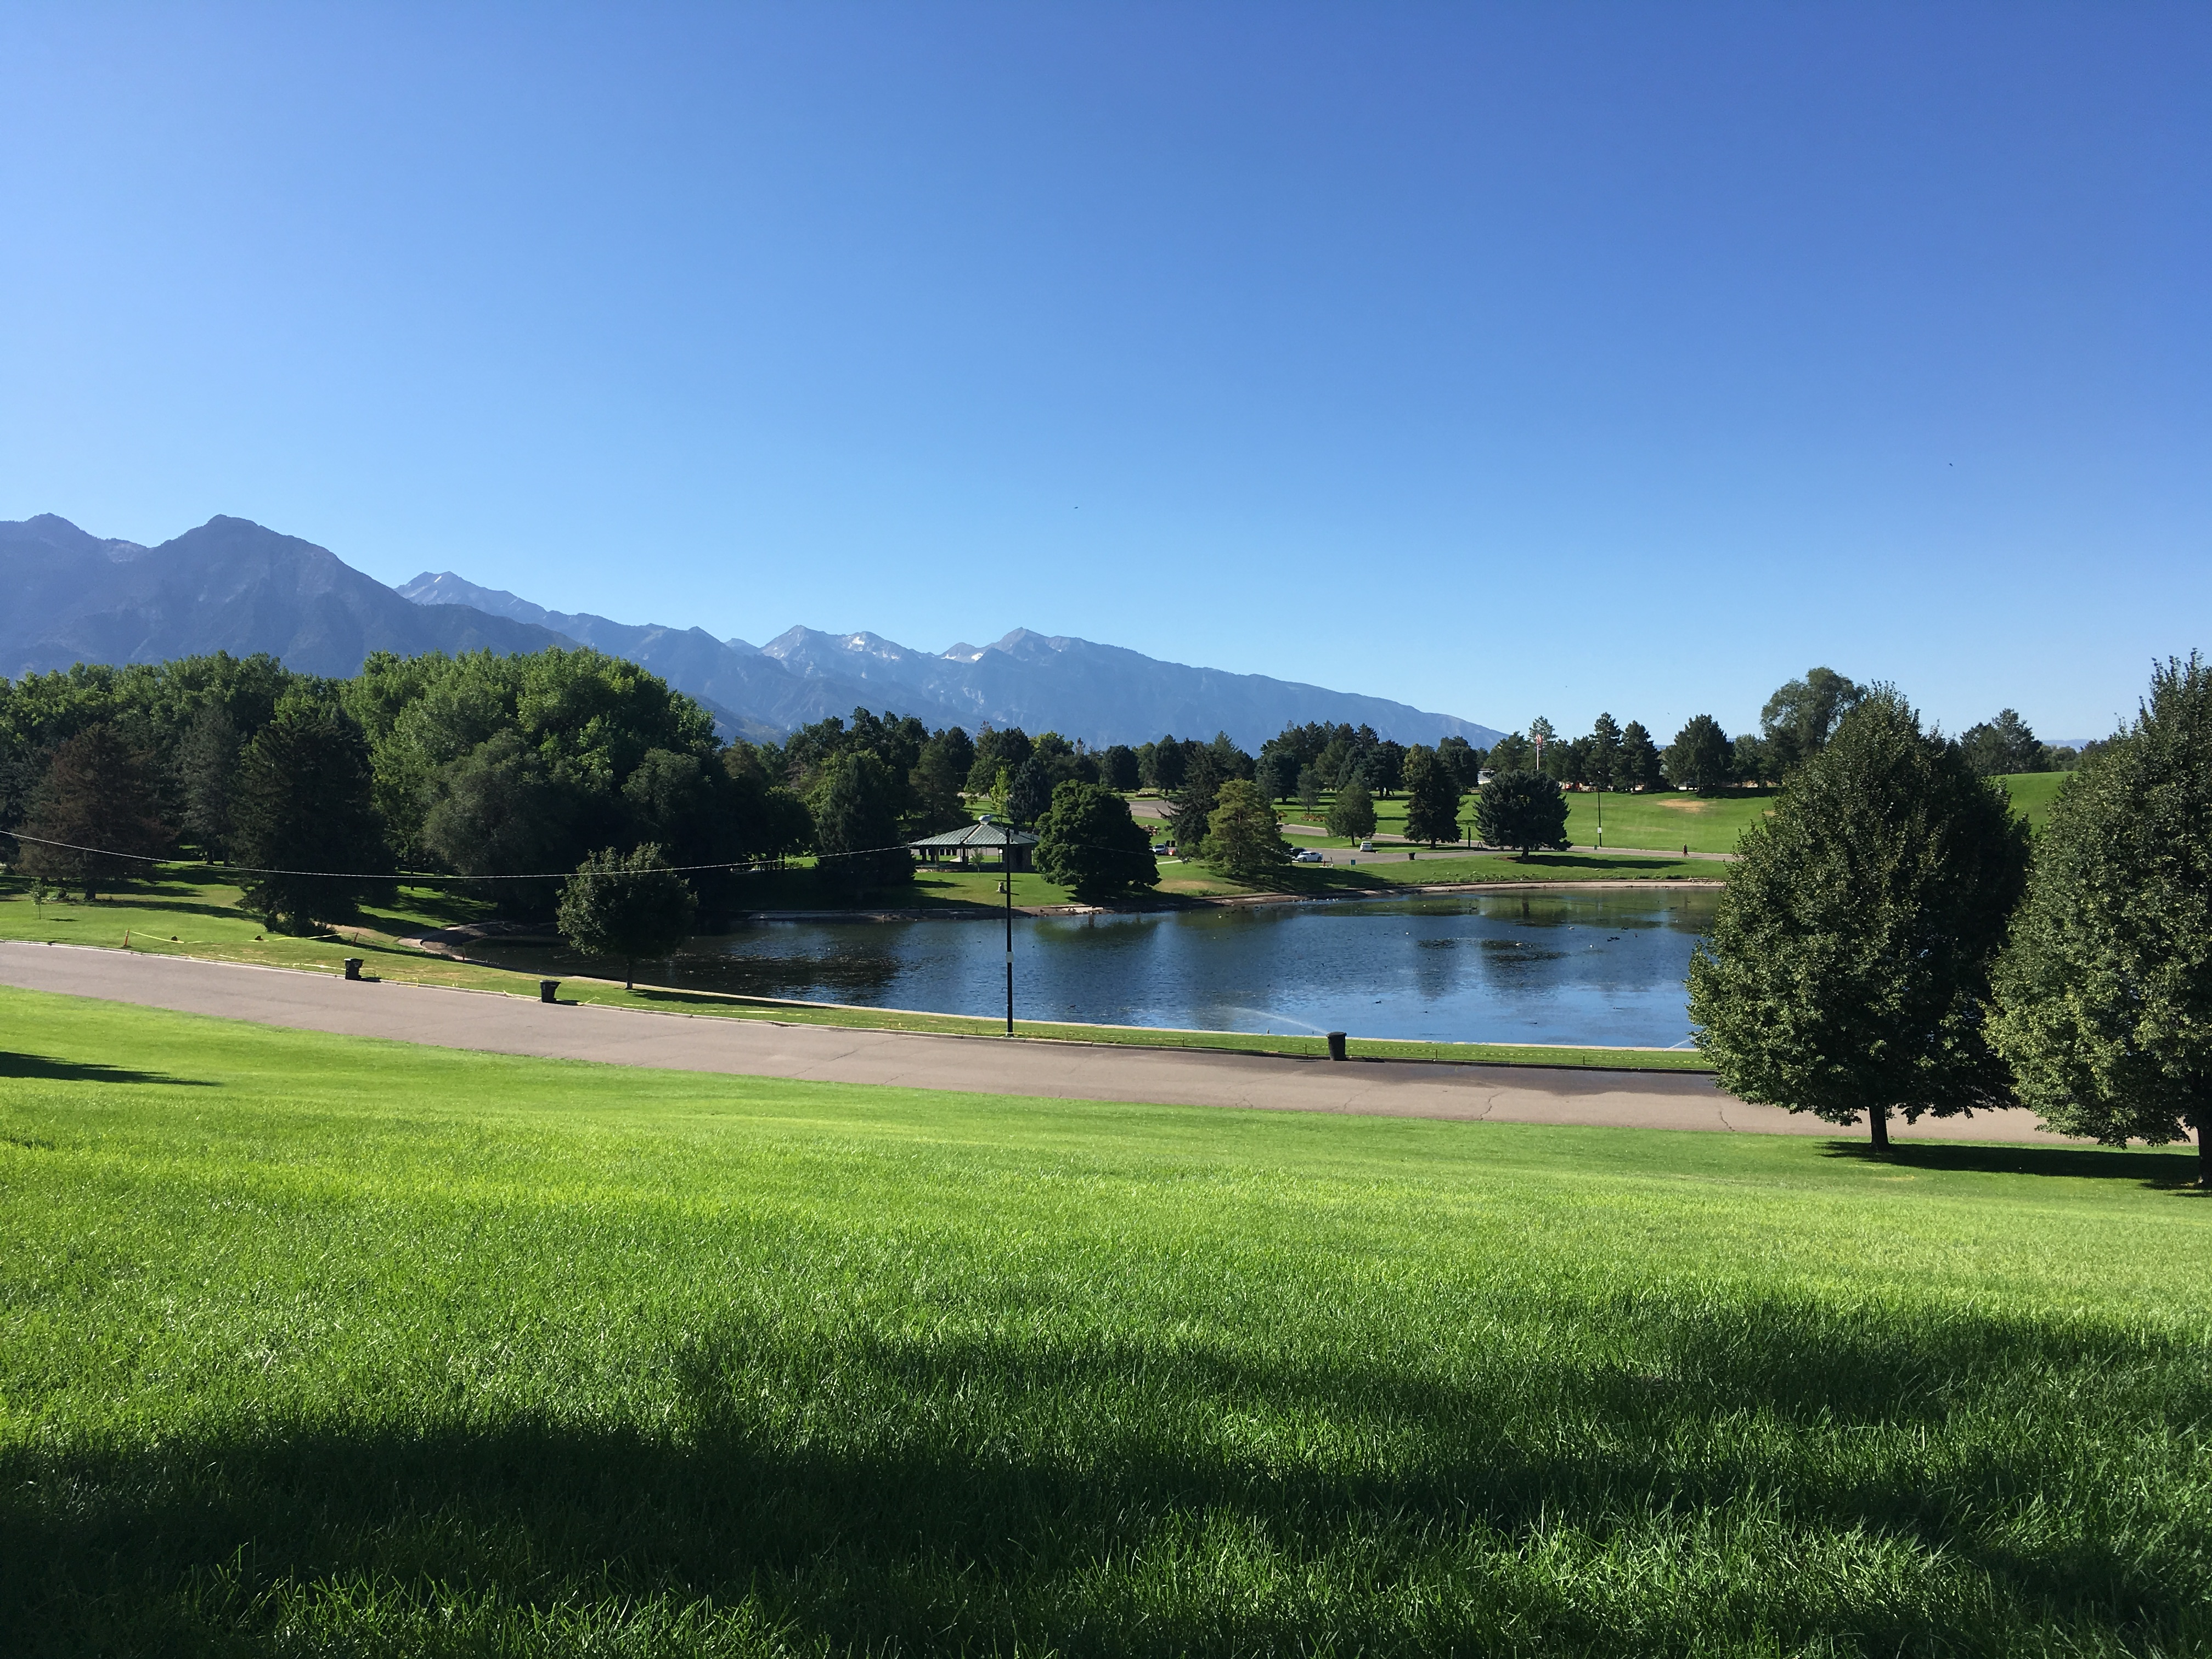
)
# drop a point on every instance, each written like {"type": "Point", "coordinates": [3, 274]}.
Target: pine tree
{"type": "Point", "coordinates": [1639, 758]}
{"type": "Point", "coordinates": [93, 820]}
{"type": "Point", "coordinates": [1848, 969]}
{"type": "Point", "coordinates": [2106, 992]}
{"type": "Point", "coordinates": [1522, 809]}
{"type": "Point", "coordinates": [1698, 757]}
{"type": "Point", "coordinates": [1432, 798]}
{"type": "Point", "coordinates": [304, 819]}
{"type": "Point", "coordinates": [631, 906]}
{"type": "Point", "coordinates": [207, 766]}
{"type": "Point", "coordinates": [1605, 752]}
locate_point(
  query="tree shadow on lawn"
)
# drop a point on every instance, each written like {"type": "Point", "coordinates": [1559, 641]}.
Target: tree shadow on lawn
{"type": "Point", "coordinates": [46, 1069]}
{"type": "Point", "coordinates": [2149, 1167]}
{"type": "Point", "coordinates": [926, 1494]}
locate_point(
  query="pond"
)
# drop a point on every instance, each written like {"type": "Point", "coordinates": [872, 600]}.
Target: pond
{"type": "Point", "coordinates": [1603, 968]}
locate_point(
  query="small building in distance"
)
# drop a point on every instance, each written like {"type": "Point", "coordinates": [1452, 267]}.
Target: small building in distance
{"type": "Point", "coordinates": [999, 843]}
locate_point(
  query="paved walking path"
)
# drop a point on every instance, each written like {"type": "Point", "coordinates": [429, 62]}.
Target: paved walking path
{"type": "Point", "coordinates": [514, 1025]}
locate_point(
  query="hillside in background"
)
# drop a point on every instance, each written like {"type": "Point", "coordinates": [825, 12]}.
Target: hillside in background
{"type": "Point", "coordinates": [235, 585]}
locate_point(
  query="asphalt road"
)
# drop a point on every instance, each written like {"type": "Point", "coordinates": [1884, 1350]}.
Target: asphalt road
{"type": "Point", "coordinates": [514, 1025]}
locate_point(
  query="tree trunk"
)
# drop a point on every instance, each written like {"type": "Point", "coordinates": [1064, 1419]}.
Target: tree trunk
{"type": "Point", "coordinates": [2204, 1151]}
{"type": "Point", "coordinates": [1879, 1120]}
{"type": "Point", "coordinates": [630, 974]}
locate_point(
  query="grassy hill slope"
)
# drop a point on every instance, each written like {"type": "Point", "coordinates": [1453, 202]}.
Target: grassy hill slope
{"type": "Point", "coordinates": [317, 1345]}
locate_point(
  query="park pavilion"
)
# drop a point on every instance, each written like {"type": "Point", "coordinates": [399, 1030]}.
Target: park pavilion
{"type": "Point", "coordinates": [998, 843]}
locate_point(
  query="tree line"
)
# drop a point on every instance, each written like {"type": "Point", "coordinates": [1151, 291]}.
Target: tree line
{"type": "Point", "coordinates": [478, 766]}
{"type": "Point", "coordinates": [1893, 943]}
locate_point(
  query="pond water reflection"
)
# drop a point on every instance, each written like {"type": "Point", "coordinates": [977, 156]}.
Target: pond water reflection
{"type": "Point", "coordinates": [1582, 967]}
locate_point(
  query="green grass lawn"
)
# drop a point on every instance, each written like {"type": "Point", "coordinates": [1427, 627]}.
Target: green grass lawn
{"type": "Point", "coordinates": [184, 913]}
{"type": "Point", "coordinates": [311, 1344]}
{"type": "Point", "coordinates": [1657, 822]}
{"type": "Point", "coordinates": [1670, 819]}
{"type": "Point", "coordinates": [2032, 792]}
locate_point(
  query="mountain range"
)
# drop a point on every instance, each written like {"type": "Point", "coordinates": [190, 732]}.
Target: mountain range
{"type": "Point", "coordinates": [236, 586]}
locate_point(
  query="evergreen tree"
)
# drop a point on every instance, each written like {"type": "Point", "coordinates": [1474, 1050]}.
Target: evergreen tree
{"type": "Point", "coordinates": [1514, 753]}
{"type": "Point", "coordinates": [1639, 766]}
{"type": "Point", "coordinates": [1088, 841]}
{"type": "Point", "coordinates": [1521, 809]}
{"type": "Point", "coordinates": [934, 791]}
{"type": "Point", "coordinates": [1277, 773]}
{"type": "Point", "coordinates": [632, 906]}
{"type": "Point", "coordinates": [1191, 804]}
{"type": "Point", "coordinates": [304, 819]}
{"type": "Point", "coordinates": [1432, 798]}
{"type": "Point", "coordinates": [1604, 764]}
{"type": "Point", "coordinates": [2106, 992]}
{"type": "Point", "coordinates": [994, 750]}
{"type": "Point", "coordinates": [1388, 768]}
{"type": "Point", "coordinates": [2003, 746]}
{"type": "Point", "coordinates": [207, 767]}
{"type": "Point", "coordinates": [96, 800]}
{"type": "Point", "coordinates": [1117, 769]}
{"type": "Point", "coordinates": [1309, 790]}
{"type": "Point", "coordinates": [1698, 757]}
{"type": "Point", "coordinates": [1169, 764]}
{"type": "Point", "coordinates": [1848, 969]}
{"type": "Point", "coordinates": [1031, 791]}
{"type": "Point", "coordinates": [1242, 837]}
{"type": "Point", "coordinates": [1465, 761]}
{"type": "Point", "coordinates": [1351, 814]}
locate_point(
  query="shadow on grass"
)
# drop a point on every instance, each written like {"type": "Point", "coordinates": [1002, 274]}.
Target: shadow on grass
{"type": "Point", "coordinates": [925, 1493]}
{"type": "Point", "coordinates": [2149, 1169]}
{"type": "Point", "coordinates": [43, 1068]}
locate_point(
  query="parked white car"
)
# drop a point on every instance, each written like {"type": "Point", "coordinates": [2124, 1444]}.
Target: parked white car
{"type": "Point", "coordinates": [1307, 855]}
{"type": "Point", "coordinates": [1366, 846]}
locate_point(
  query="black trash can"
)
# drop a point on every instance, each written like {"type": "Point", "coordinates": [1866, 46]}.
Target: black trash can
{"type": "Point", "coordinates": [1336, 1045]}
{"type": "Point", "coordinates": [353, 967]}
{"type": "Point", "coordinates": [546, 988]}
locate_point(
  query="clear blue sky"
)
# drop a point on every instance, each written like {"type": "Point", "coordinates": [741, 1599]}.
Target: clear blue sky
{"type": "Point", "coordinates": [1505, 360]}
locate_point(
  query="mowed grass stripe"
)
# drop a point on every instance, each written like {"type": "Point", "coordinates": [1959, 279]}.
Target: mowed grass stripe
{"type": "Point", "coordinates": [316, 1344]}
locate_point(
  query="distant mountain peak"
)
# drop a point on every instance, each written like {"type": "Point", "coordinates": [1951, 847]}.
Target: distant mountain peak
{"type": "Point", "coordinates": [444, 587]}
{"type": "Point", "coordinates": [233, 584]}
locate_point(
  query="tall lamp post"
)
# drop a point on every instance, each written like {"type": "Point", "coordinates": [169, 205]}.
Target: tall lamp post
{"type": "Point", "coordinates": [1006, 863]}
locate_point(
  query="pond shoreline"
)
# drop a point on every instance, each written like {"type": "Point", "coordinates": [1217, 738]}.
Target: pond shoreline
{"type": "Point", "coordinates": [1222, 901]}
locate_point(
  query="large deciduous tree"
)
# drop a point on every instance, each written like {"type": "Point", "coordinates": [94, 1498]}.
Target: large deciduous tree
{"type": "Point", "coordinates": [856, 822]}
{"type": "Point", "coordinates": [1242, 836]}
{"type": "Point", "coordinates": [1798, 718]}
{"type": "Point", "coordinates": [1432, 798]}
{"type": "Point", "coordinates": [1848, 969]}
{"type": "Point", "coordinates": [499, 812]}
{"type": "Point", "coordinates": [1088, 841]}
{"type": "Point", "coordinates": [627, 905]}
{"type": "Point", "coordinates": [2106, 992]}
{"type": "Point", "coordinates": [304, 819]}
{"type": "Point", "coordinates": [95, 816]}
{"type": "Point", "coordinates": [1521, 809]}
